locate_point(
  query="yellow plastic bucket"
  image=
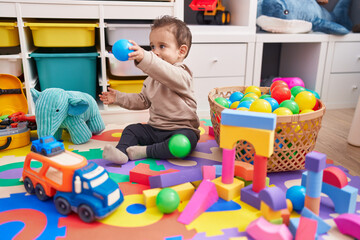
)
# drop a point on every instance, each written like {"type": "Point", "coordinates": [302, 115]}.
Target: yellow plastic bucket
{"type": "Point", "coordinates": [63, 34]}
{"type": "Point", "coordinates": [9, 36]}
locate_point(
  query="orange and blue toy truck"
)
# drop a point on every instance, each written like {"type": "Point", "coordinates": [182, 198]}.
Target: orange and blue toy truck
{"type": "Point", "coordinates": [74, 184]}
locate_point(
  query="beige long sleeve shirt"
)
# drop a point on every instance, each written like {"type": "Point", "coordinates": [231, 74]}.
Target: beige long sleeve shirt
{"type": "Point", "coordinates": [168, 94]}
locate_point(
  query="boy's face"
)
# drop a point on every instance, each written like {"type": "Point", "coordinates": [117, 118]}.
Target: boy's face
{"type": "Point", "coordinates": [164, 45]}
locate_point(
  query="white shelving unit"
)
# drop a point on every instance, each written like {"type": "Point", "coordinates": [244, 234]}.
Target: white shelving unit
{"type": "Point", "coordinates": [230, 55]}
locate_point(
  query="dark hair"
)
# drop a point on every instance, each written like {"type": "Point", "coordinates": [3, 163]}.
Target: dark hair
{"type": "Point", "coordinates": [180, 30]}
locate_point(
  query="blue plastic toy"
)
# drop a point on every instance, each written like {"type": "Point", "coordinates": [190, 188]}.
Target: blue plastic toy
{"type": "Point", "coordinates": [296, 194]}
{"type": "Point", "coordinates": [121, 49]}
{"type": "Point", "coordinates": [47, 146]}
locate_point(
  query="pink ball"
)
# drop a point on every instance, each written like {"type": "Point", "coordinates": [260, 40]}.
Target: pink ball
{"type": "Point", "coordinates": [291, 81]}
{"type": "Point", "coordinates": [295, 82]}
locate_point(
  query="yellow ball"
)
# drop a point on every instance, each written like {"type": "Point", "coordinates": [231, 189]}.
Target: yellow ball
{"type": "Point", "coordinates": [234, 105]}
{"type": "Point", "coordinates": [252, 95]}
{"type": "Point", "coordinates": [242, 109]}
{"type": "Point", "coordinates": [283, 111]}
{"type": "Point", "coordinates": [253, 89]}
{"type": "Point", "coordinates": [260, 105]}
{"type": "Point", "coordinates": [306, 111]}
{"type": "Point", "coordinates": [305, 100]}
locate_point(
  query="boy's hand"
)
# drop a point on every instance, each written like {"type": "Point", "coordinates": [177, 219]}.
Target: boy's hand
{"type": "Point", "coordinates": [108, 97]}
{"type": "Point", "coordinates": [138, 53]}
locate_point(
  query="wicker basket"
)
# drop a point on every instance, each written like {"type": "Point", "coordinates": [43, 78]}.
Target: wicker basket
{"type": "Point", "coordinates": [295, 135]}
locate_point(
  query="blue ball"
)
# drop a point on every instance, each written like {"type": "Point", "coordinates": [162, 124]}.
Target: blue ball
{"type": "Point", "coordinates": [296, 194]}
{"type": "Point", "coordinates": [245, 104]}
{"type": "Point", "coordinates": [274, 104]}
{"type": "Point", "coordinates": [236, 96]}
{"type": "Point", "coordinates": [121, 49]}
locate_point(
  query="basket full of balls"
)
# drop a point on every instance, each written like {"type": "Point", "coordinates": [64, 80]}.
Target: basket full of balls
{"type": "Point", "coordinates": [299, 113]}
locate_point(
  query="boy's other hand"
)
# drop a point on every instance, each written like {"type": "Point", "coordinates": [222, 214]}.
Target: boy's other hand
{"type": "Point", "coordinates": [137, 54]}
{"type": "Point", "coordinates": [108, 97]}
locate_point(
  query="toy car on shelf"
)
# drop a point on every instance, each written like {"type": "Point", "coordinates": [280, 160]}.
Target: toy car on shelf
{"type": "Point", "coordinates": [47, 146]}
{"type": "Point", "coordinates": [210, 12]}
{"type": "Point", "coordinates": [74, 184]}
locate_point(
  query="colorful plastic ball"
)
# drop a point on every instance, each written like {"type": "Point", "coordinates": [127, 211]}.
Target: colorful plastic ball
{"type": "Point", "coordinates": [245, 104]}
{"type": "Point", "coordinates": [305, 100]}
{"type": "Point", "coordinates": [222, 101]}
{"type": "Point", "coordinates": [234, 105]}
{"type": "Point", "coordinates": [295, 81]}
{"type": "Point", "coordinates": [306, 111]}
{"type": "Point", "coordinates": [242, 109]}
{"type": "Point", "coordinates": [281, 93]}
{"type": "Point", "coordinates": [281, 111]}
{"type": "Point", "coordinates": [167, 200]}
{"type": "Point", "coordinates": [292, 97]}
{"type": "Point", "coordinates": [229, 102]}
{"type": "Point", "coordinates": [296, 194]}
{"type": "Point", "coordinates": [274, 104]}
{"type": "Point", "coordinates": [265, 96]}
{"type": "Point", "coordinates": [179, 145]}
{"type": "Point", "coordinates": [260, 105]}
{"type": "Point", "coordinates": [296, 90]}
{"type": "Point", "coordinates": [315, 93]}
{"type": "Point", "coordinates": [247, 99]}
{"type": "Point", "coordinates": [236, 96]}
{"type": "Point", "coordinates": [121, 49]}
{"type": "Point", "coordinates": [253, 89]}
{"type": "Point", "coordinates": [278, 83]}
{"type": "Point", "coordinates": [252, 95]}
{"type": "Point", "coordinates": [292, 105]}
{"type": "Point", "coordinates": [317, 105]}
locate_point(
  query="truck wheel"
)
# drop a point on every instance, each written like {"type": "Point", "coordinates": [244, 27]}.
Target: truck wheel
{"type": "Point", "coordinates": [29, 186]}
{"type": "Point", "coordinates": [40, 193]}
{"type": "Point", "coordinates": [62, 206]}
{"type": "Point", "coordinates": [220, 18]}
{"type": "Point", "coordinates": [43, 152]}
{"type": "Point", "coordinates": [200, 18]}
{"type": "Point", "coordinates": [228, 17]}
{"type": "Point", "coordinates": [86, 213]}
{"type": "Point", "coordinates": [33, 149]}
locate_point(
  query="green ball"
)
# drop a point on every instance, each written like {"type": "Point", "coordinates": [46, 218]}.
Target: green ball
{"type": "Point", "coordinates": [179, 145]}
{"type": "Point", "coordinates": [247, 99]}
{"type": "Point", "coordinates": [167, 200]}
{"type": "Point", "coordinates": [290, 104]}
{"type": "Point", "coordinates": [222, 101]}
{"type": "Point", "coordinates": [296, 90]}
{"type": "Point", "coordinates": [265, 96]}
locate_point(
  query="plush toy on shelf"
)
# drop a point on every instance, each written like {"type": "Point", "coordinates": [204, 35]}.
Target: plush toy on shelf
{"type": "Point", "coordinates": [57, 109]}
{"type": "Point", "coordinates": [293, 16]}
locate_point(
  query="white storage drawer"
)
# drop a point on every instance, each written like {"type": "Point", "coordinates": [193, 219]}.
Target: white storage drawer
{"type": "Point", "coordinates": [343, 91]}
{"type": "Point", "coordinates": [123, 68]}
{"type": "Point", "coordinates": [10, 64]}
{"type": "Point", "coordinates": [202, 87]}
{"type": "Point", "coordinates": [137, 32]}
{"type": "Point", "coordinates": [346, 57]}
{"type": "Point", "coordinates": [217, 60]}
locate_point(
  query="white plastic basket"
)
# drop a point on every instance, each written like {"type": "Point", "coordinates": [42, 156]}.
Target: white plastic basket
{"type": "Point", "coordinates": [122, 69]}
{"type": "Point", "coordinates": [137, 32]}
{"type": "Point", "coordinates": [10, 64]}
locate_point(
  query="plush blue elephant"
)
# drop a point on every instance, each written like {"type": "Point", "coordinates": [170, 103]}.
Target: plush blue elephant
{"type": "Point", "coordinates": [57, 109]}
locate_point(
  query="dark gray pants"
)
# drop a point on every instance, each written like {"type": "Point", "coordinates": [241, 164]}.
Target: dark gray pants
{"type": "Point", "coordinates": [156, 140]}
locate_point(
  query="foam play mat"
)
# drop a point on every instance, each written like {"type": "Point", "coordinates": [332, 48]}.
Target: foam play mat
{"type": "Point", "coordinates": [24, 216]}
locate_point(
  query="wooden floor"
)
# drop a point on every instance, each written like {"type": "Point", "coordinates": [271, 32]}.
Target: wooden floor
{"type": "Point", "coordinates": [332, 139]}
